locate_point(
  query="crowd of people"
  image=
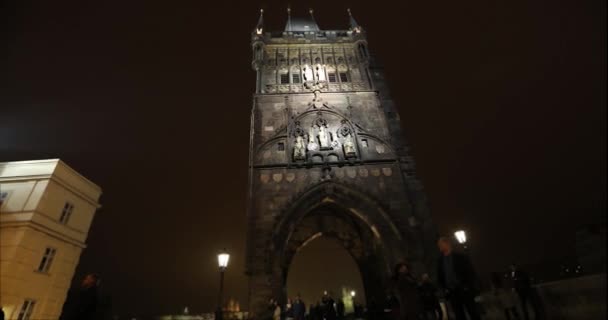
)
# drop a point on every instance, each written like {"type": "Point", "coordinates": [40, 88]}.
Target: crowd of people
{"type": "Point", "coordinates": [408, 297]}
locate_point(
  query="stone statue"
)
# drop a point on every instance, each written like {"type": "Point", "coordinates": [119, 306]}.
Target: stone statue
{"type": "Point", "coordinates": [349, 146]}
{"type": "Point", "coordinates": [299, 151]}
{"type": "Point", "coordinates": [312, 145]}
{"type": "Point", "coordinates": [307, 74]}
{"type": "Point", "coordinates": [324, 139]}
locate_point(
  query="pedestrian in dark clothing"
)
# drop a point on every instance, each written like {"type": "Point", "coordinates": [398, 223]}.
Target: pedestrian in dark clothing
{"type": "Point", "coordinates": [430, 301]}
{"type": "Point", "coordinates": [340, 309]}
{"type": "Point", "coordinates": [83, 303]}
{"type": "Point", "coordinates": [299, 309]}
{"type": "Point", "coordinates": [523, 287]}
{"type": "Point", "coordinates": [457, 278]}
{"type": "Point", "coordinates": [504, 296]}
{"type": "Point", "coordinates": [390, 310]}
{"type": "Point", "coordinates": [329, 312]}
{"type": "Point", "coordinates": [405, 288]}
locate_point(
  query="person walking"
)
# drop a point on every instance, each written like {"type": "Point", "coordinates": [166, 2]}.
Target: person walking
{"type": "Point", "coordinates": [329, 311]}
{"type": "Point", "coordinates": [406, 290]}
{"type": "Point", "coordinates": [276, 315]}
{"type": "Point", "coordinates": [83, 303]}
{"type": "Point", "coordinates": [430, 301]}
{"type": "Point", "coordinates": [299, 308]}
{"type": "Point", "coordinates": [340, 309]}
{"type": "Point", "coordinates": [505, 297]}
{"type": "Point", "coordinates": [457, 278]}
{"type": "Point", "coordinates": [523, 287]}
{"type": "Point", "coordinates": [289, 314]}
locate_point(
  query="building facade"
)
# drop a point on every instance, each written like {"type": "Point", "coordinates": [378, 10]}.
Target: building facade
{"type": "Point", "coordinates": [46, 209]}
{"type": "Point", "coordinates": [327, 158]}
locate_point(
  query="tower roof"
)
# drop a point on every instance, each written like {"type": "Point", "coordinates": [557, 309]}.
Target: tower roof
{"type": "Point", "coordinates": [301, 23]}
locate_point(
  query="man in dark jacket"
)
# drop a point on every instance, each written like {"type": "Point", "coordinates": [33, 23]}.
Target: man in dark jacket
{"type": "Point", "coordinates": [430, 301]}
{"type": "Point", "coordinates": [457, 278]}
{"type": "Point", "coordinates": [82, 304]}
{"type": "Point", "coordinates": [299, 309]}
{"type": "Point", "coordinates": [525, 292]}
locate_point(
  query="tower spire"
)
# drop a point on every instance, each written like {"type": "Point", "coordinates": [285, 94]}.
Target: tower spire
{"type": "Point", "coordinates": [260, 26]}
{"type": "Point", "coordinates": [312, 16]}
{"type": "Point", "coordinates": [354, 26]}
{"type": "Point", "coordinates": [288, 26]}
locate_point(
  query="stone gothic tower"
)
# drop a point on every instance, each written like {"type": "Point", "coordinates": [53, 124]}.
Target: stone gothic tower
{"type": "Point", "coordinates": [327, 158]}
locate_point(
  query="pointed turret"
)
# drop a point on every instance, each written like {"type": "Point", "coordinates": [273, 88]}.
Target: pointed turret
{"type": "Point", "coordinates": [354, 26]}
{"type": "Point", "coordinates": [259, 28]}
{"type": "Point", "coordinates": [288, 24]}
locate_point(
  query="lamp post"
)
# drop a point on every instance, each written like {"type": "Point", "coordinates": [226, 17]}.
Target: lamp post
{"type": "Point", "coordinates": [461, 237]}
{"type": "Point", "coordinates": [222, 260]}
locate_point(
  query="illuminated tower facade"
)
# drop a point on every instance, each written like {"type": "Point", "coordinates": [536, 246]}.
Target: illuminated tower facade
{"type": "Point", "coordinates": [327, 158]}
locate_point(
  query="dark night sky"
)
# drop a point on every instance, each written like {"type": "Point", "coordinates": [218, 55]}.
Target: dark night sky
{"type": "Point", "coordinates": [503, 102]}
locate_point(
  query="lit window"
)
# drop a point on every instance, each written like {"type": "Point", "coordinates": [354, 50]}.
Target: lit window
{"type": "Point", "coordinates": [331, 77]}
{"type": "Point", "coordinates": [47, 259]}
{"type": "Point", "coordinates": [284, 78]}
{"type": "Point", "coordinates": [295, 78]}
{"type": "Point", "coordinates": [26, 310]}
{"type": "Point", "coordinates": [364, 143]}
{"type": "Point", "coordinates": [343, 77]}
{"type": "Point", "coordinates": [3, 197]}
{"type": "Point", "coordinates": [281, 146]}
{"type": "Point", "coordinates": [66, 213]}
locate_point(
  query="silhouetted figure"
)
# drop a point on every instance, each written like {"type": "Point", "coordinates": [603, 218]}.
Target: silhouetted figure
{"type": "Point", "coordinates": [430, 301]}
{"type": "Point", "coordinates": [340, 309]}
{"type": "Point", "coordinates": [299, 309]}
{"type": "Point", "coordinates": [457, 278]}
{"type": "Point", "coordinates": [329, 312]}
{"type": "Point", "coordinates": [390, 309]}
{"type": "Point", "coordinates": [276, 315]}
{"type": "Point", "coordinates": [523, 286]}
{"type": "Point", "coordinates": [288, 314]}
{"type": "Point", "coordinates": [1, 314]}
{"type": "Point", "coordinates": [406, 290]}
{"type": "Point", "coordinates": [504, 296]}
{"type": "Point", "coordinates": [84, 302]}
{"type": "Point", "coordinates": [358, 311]}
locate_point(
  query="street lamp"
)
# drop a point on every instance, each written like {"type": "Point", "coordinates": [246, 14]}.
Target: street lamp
{"type": "Point", "coordinates": [352, 294]}
{"type": "Point", "coordinates": [461, 237]}
{"type": "Point", "coordinates": [222, 261]}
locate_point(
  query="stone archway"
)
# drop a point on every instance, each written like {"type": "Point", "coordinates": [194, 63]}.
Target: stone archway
{"type": "Point", "coordinates": [339, 211]}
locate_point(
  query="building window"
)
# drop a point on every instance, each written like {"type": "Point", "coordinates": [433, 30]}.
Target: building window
{"type": "Point", "coordinates": [284, 78]}
{"type": "Point", "coordinates": [3, 197]}
{"type": "Point", "coordinates": [331, 77]}
{"type": "Point", "coordinates": [26, 310]}
{"type": "Point", "coordinates": [364, 143]}
{"type": "Point", "coordinates": [281, 146]}
{"type": "Point", "coordinates": [47, 259]}
{"type": "Point", "coordinates": [343, 77]}
{"type": "Point", "coordinates": [66, 213]}
{"type": "Point", "coordinates": [295, 78]}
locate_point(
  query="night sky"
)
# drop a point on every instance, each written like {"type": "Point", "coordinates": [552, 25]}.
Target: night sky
{"type": "Point", "coordinates": [503, 103]}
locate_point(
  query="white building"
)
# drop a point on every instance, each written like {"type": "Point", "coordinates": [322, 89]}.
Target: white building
{"type": "Point", "coordinates": [46, 209]}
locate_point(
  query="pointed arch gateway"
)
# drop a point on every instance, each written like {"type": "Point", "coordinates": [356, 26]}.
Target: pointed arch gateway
{"type": "Point", "coordinates": [352, 218]}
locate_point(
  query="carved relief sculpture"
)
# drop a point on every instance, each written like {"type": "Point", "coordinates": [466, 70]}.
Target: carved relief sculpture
{"type": "Point", "coordinates": [312, 145]}
{"type": "Point", "coordinates": [299, 151]}
{"type": "Point", "coordinates": [324, 139]}
{"type": "Point", "coordinates": [349, 147]}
